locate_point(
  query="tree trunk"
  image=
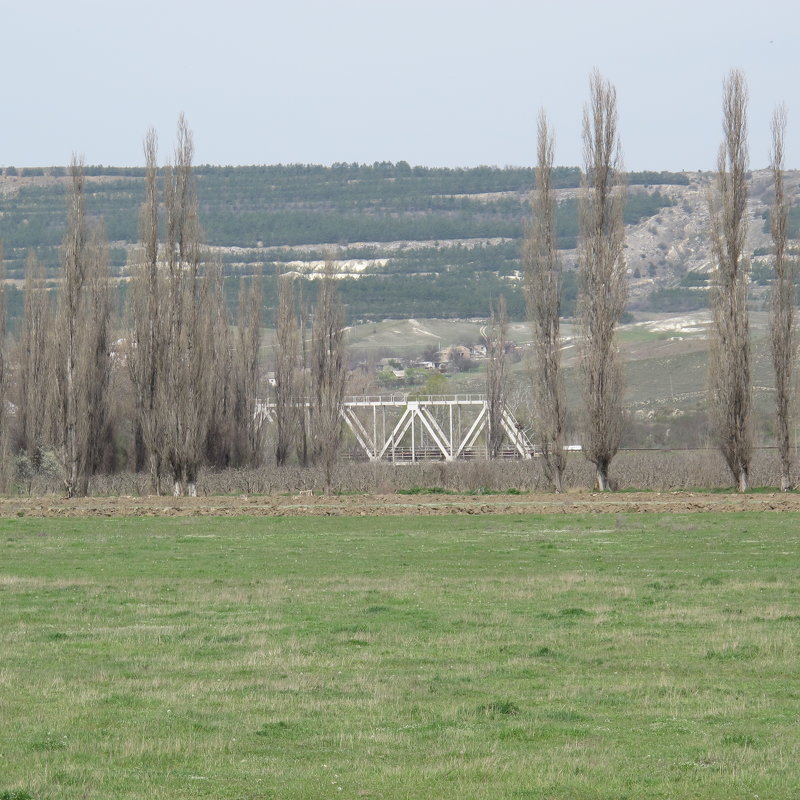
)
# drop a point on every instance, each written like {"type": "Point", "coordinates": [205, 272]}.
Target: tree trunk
{"type": "Point", "coordinates": [155, 473]}
{"type": "Point", "coordinates": [71, 478]}
{"type": "Point", "coordinates": [190, 482]}
{"type": "Point", "coordinates": [744, 480]}
{"type": "Point", "coordinates": [601, 476]}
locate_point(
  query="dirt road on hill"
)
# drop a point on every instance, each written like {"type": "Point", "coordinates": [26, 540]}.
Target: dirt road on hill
{"type": "Point", "coordinates": [394, 505]}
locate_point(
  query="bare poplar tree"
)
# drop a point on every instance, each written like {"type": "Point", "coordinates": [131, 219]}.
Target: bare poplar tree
{"type": "Point", "coordinates": [74, 279]}
{"type": "Point", "coordinates": [147, 335]}
{"type": "Point", "coordinates": [35, 396]}
{"type": "Point", "coordinates": [181, 351]}
{"type": "Point", "coordinates": [186, 402]}
{"type": "Point", "coordinates": [602, 274]}
{"type": "Point", "coordinates": [304, 384]}
{"type": "Point", "coordinates": [782, 317]}
{"type": "Point", "coordinates": [729, 366]}
{"type": "Point", "coordinates": [328, 373]}
{"type": "Point", "coordinates": [288, 397]}
{"type": "Point", "coordinates": [247, 374]}
{"type": "Point", "coordinates": [496, 375]}
{"type": "Point", "coordinates": [84, 361]}
{"type": "Point", "coordinates": [95, 424]}
{"type": "Point", "coordinates": [221, 424]}
{"type": "Point", "coordinates": [542, 276]}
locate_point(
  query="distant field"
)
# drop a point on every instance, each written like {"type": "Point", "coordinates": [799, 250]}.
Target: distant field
{"type": "Point", "coordinates": [510, 656]}
{"type": "Point", "coordinates": [410, 337]}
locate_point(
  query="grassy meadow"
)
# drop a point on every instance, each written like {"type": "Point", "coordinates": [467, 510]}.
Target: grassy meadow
{"type": "Point", "coordinates": [623, 656]}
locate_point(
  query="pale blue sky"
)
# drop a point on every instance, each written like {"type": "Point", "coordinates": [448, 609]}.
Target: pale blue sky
{"type": "Point", "coordinates": [435, 82]}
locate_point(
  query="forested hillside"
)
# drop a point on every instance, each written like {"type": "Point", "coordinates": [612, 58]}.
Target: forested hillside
{"type": "Point", "coordinates": [408, 240]}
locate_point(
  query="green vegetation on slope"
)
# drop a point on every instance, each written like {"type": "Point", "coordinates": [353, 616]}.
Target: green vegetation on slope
{"type": "Point", "coordinates": [305, 205]}
{"type": "Point", "coordinates": [242, 206]}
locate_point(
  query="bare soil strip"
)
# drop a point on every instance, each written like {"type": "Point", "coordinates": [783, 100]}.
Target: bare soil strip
{"type": "Point", "coordinates": [395, 505]}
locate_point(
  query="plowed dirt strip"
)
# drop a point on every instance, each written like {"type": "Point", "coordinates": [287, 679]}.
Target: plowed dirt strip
{"type": "Point", "coordinates": [394, 505]}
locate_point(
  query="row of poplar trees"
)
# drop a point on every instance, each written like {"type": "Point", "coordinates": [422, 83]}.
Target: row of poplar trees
{"type": "Point", "coordinates": [178, 389]}
{"type": "Point", "coordinates": [602, 292]}
{"type": "Point", "coordinates": [192, 381]}
{"type": "Point", "coordinates": [602, 298]}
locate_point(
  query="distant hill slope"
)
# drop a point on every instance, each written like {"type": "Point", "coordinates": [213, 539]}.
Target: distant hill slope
{"type": "Point", "coordinates": [408, 241]}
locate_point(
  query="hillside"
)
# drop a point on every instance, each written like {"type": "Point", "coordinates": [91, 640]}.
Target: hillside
{"type": "Point", "coordinates": [408, 241]}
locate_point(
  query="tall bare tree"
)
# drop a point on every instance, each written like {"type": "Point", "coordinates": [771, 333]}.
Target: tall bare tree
{"type": "Point", "coordinates": [782, 317]}
{"type": "Point", "coordinates": [221, 446]}
{"type": "Point", "coordinates": [186, 400]}
{"type": "Point", "coordinates": [496, 375]}
{"type": "Point", "coordinates": [542, 275]}
{"type": "Point", "coordinates": [247, 381]}
{"type": "Point", "coordinates": [74, 278]}
{"type": "Point", "coordinates": [95, 424]}
{"type": "Point", "coordinates": [328, 374]}
{"type": "Point", "coordinates": [602, 274]}
{"type": "Point", "coordinates": [288, 366]}
{"type": "Point", "coordinates": [83, 362]}
{"type": "Point", "coordinates": [304, 390]}
{"type": "Point", "coordinates": [181, 353]}
{"type": "Point", "coordinates": [35, 395]}
{"type": "Point", "coordinates": [729, 366]}
{"type": "Point", "coordinates": [147, 335]}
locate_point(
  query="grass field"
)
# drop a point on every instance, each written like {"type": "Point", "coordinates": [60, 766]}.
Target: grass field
{"type": "Point", "coordinates": [605, 656]}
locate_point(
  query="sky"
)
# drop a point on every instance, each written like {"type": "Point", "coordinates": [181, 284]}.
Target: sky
{"type": "Point", "coordinates": [431, 82]}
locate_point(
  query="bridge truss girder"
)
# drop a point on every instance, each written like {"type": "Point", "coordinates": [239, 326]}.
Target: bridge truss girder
{"type": "Point", "coordinates": [403, 428]}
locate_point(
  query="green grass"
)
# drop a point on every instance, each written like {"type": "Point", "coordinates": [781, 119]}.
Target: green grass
{"type": "Point", "coordinates": [622, 656]}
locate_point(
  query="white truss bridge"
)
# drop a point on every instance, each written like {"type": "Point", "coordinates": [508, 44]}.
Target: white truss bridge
{"type": "Point", "coordinates": [405, 428]}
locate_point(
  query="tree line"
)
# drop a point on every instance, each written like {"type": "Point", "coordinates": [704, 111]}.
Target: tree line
{"type": "Point", "coordinates": [178, 388]}
{"type": "Point", "coordinates": [602, 293]}
{"type": "Point", "coordinates": [303, 204]}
